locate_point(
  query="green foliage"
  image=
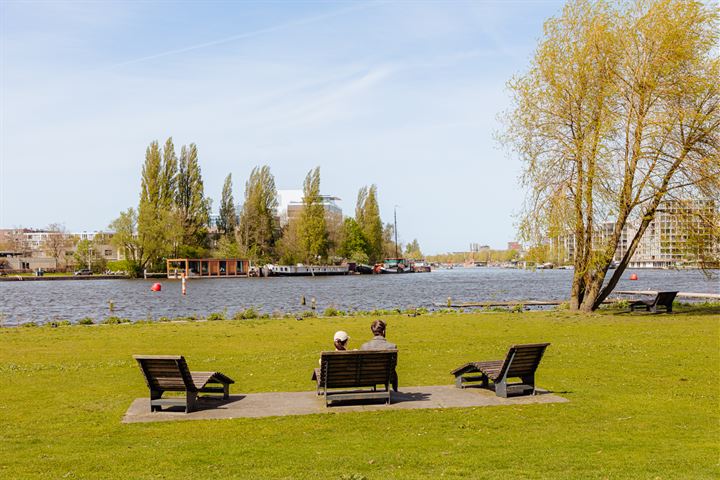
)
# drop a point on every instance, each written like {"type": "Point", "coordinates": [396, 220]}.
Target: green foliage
{"type": "Point", "coordinates": [193, 207]}
{"type": "Point", "coordinates": [354, 245]}
{"type": "Point", "coordinates": [125, 238]}
{"type": "Point", "coordinates": [412, 250]}
{"type": "Point", "coordinates": [29, 324]}
{"type": "Point", "coordinates": [333, 312]}
{"type": "Point", "coordinates": [86, 321]}
{"type": "Point", "coordinates": [215, 316]}
{"type": "Point", "coordinates": [259, 230]}
{"type": "Point", "coordinates": [115, 320]}
{"type": "Point", "coordinates": [312, 227]}
{"type": "Point", "coordinates": [367, 215]}
{"type": "Point", "coordinates": [247, 314]}
{"type": "Point", "coordinates": [227, 219]}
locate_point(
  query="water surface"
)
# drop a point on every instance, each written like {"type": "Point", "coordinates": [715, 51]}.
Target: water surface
{"type": "Point", "coordinates": [75, 299]}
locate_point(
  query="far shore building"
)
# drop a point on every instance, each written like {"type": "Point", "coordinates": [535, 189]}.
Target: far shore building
{"type": "Point", "coordinates": [290, 207]}
{"type": "Point", "coordinates": [30, 249]}
{"type": "Point", "coordinates": [665, 243]}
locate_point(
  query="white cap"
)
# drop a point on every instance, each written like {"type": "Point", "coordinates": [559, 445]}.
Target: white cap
{"type": "Point", "coordinates": [340, 335]}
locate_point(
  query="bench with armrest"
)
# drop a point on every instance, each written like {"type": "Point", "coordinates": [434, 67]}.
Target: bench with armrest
{"type": "Point", "coordinates": [520, 362]}
{"type": "Point", "coordinates": [662, 299]}
{"type": "Point", "coordinates": [355, 375]}
{"type": "Point", "coordinates": [170, 373]}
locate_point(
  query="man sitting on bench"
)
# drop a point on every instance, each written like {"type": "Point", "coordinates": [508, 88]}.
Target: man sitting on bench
{"type": "Point", "coordinates": [379, 342]}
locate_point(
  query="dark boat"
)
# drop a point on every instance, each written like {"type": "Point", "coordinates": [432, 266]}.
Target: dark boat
{"type": "Point", "coordinates": [364, 269]}
{"type": "Point", "coordinates": [395, 265]}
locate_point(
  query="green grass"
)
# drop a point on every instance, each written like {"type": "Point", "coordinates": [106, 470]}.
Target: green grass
{"type": "Point", "coordinates": [644, 395]}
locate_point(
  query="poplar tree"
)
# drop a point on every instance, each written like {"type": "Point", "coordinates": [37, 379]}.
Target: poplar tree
{"type": "Point", "coordinates": [312, 226]}
{"type": "Point", "coordinates": [151, 238]}
{"type": "Point", "coordinates": [259, 230]}
{"type": "Point", "coordinates": [168, 176]}
{"type": "Point", "coordinates": [367, 215]}
{"type": "Point", "coordinates": [227, 220]}
{"type": "Point", "coordinates": [193, 207]}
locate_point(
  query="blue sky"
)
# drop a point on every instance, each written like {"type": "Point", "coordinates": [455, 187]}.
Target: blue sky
{"type": "Point", "coordinates": [405, 95]}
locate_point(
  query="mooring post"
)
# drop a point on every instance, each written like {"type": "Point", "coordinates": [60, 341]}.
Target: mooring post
{"type": "Point", "coordinates": [302, 300]}
{"type": "Point", "coordinates": [449, 302]}
{"type": "Point", "coordinates": [312, 303]}
{"type": "Point", "coordinates": [111, 306]}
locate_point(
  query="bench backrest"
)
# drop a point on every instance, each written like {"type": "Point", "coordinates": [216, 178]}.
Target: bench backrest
{"type": "Point", "coordinates": [165, 372]}
{"type": "Point", "coordinates": [665, 298]}
{"type": "Point", "coordinates": [523, 360]}
{"type": "Point", "coordinates": [357, 368]}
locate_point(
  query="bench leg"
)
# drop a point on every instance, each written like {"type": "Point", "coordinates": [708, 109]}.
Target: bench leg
{"type": "Point", "coordinates": [190, 402]}
{"type": "Point", "coordinates": [155, 395]}
{"type": "Point", "coordinates": [226, 391]}
{"type": "Point", "coordinates": [529, 380]}
{"type": "Point", "coordinates": [458, 381]}
{"type": "Point", "coordinates": [501, 388]}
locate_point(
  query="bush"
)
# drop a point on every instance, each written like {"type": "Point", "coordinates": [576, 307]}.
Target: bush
{"type": "Point", "coordinates": [115, 321]}
{"type": "Point", "coordinates": [309, 314]}
{"type": "Point", "coordinates": [29, 324]}
{"type": "Point", "coordinates": [331, 312]}
{"type": "Point", "coordinates": [215, 316]}
{"type": "Point", "coordinates": [86, 321]}
{"type": "Point", "coordinates": [59, 323]}
{"type": "Point", "coordinates": [250, 313]}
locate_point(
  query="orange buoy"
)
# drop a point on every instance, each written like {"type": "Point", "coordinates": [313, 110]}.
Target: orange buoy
{"type": "Point", "coordinates": [633, 276]}
{"type": "Point", "coordinates": [156, 287]}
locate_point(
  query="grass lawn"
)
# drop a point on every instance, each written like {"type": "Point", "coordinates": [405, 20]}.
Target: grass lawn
{"type": "Point", "coordinates": [644, 395]}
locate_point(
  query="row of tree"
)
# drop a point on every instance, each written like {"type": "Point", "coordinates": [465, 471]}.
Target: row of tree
{"type": "Point", "coordinates": [173, 219]}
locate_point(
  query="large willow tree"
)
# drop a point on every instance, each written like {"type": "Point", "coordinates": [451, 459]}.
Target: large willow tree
{"type": "Point", "coordinates": [618, 113]}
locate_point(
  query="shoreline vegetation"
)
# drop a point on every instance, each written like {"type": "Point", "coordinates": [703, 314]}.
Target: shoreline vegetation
{"type": "Point", "coordinates": [642, 393]}
{"type": "Point", "coordinates": [618, 307]}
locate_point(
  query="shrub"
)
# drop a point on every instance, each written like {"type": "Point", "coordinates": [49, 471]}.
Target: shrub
{"type": "Point", "coordinates": [59, 323]}
{"type": "Point", "coordinates": [115, 321]}
{"type": "Point", "coordinates": [30, 324]}
{"type": "Point", "coordinates": [86, 321]}
{"type": "Point", "coordinates": [331, 312]}
{"type": "Point", "coordinates": [215, 316]}
{"type": "Point", "coordinates": [165, 319]}
{"type": "Point", "coordinates": [309, 314]}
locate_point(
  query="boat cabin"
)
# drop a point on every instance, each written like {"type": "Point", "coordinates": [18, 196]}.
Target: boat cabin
{"type": "Point", "coordinates": [207, 267]}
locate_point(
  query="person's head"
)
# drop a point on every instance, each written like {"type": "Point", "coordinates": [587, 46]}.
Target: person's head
{"type": "Point", "coordinates": [378, 328]}
{"type": "Point", "coordinates": [341, 338]}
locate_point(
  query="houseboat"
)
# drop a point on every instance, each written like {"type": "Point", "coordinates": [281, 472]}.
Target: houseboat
{"type": "Point", "coordinates": [304, 270]}
{"type": "Point", "coordinates": [394, 265]}
{"type": "Point", "coordinates": [207, 267]}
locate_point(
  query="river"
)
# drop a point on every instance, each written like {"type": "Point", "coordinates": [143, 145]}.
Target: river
{"type": "Point", "coordinates": [73, 300]}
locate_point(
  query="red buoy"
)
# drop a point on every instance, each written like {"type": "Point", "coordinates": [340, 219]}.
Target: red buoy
{"type": "Point", "coordinates": [156, 287]}
{"type": "Point", "coordinates": [633, 276]}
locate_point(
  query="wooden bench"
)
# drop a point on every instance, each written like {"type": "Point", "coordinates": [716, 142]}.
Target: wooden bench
{"type": "Point", "coordinates": [662, 299]}
{"type": "Point", "coordinates": [521, 362]}
{"type": "Point", "coordinates": [355, 375]}
{"type": "Point", "coordinates": [170, 373]}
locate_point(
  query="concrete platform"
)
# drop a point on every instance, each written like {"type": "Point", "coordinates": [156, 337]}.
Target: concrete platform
{"type": "Point", "coordinates": [256, 405]}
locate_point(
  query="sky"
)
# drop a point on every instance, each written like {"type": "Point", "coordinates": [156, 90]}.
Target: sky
{"type": "Point", "coordinates": [405, 95]}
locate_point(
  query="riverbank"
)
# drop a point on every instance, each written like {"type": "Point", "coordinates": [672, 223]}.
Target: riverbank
{"type": "Point", "coordinates": [642, 393]}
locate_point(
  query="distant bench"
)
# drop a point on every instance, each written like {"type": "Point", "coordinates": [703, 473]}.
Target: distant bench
{"type": "Point", "coordinates": [355, 375]}
{"type": "Point", "coordinates": [662, 299]}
